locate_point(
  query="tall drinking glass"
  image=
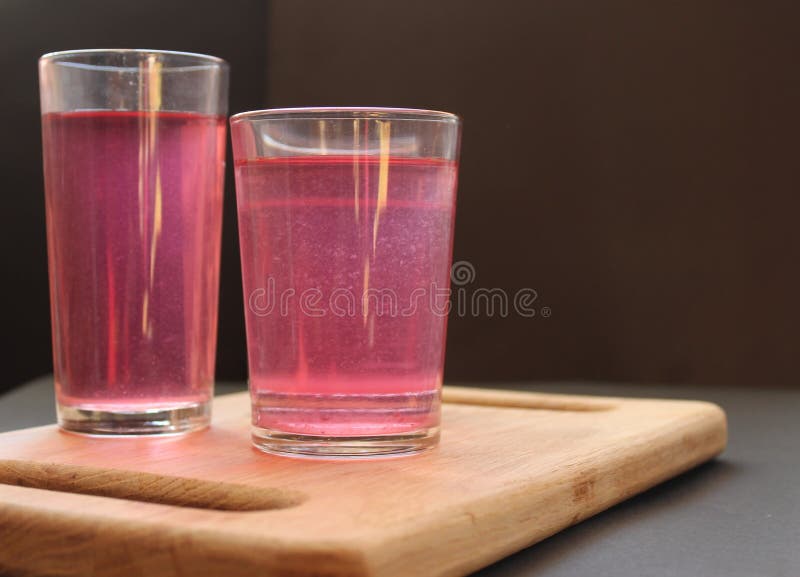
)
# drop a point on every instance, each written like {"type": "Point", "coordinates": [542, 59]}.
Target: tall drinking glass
{"type": "Point", "coordinates": [346, 227]}
{"type": "Point", "coordinates": [134, 155]}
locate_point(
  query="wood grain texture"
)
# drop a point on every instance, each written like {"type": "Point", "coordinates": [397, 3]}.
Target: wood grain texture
{"type": "Point", "coordinates": [512, 469]}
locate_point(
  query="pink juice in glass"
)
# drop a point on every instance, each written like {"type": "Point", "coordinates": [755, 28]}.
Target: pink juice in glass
{"type": "Point", "coordinates": [134, 215]}
{"type": "Point", "coordinates": [346, 264]}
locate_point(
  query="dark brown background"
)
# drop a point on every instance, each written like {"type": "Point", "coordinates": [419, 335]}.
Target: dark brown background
{"type": "Point", "coordinates": [635, 163]}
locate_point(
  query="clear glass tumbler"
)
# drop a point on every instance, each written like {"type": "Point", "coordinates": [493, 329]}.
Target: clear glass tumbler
{"type": "Point", "coordinates": [134, 157]}
{"type": "Point", "coordinates": [346, 227]}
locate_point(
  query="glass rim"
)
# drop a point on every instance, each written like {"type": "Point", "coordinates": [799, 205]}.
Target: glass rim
{"type": "Point", "coordinates": [201, 59]}
{"type": "Point", "coordinates": [346, 113]}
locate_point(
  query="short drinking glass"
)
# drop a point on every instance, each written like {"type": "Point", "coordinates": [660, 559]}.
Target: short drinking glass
{"type": "Point", "coordinates": [346, 227]}
{"type": "Point", "coordinates": [134, 153]}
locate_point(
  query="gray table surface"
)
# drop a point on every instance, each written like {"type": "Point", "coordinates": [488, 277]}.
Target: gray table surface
{"type": "Point", "coordinates": [738, 516]}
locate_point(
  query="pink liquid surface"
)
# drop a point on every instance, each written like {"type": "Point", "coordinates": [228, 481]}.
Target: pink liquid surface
{"type": "Point", "coordinates": [337, 363]}
{"type": "Point", "coordinates": [134, 215]}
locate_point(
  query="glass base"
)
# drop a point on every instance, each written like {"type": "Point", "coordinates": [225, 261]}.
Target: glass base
{"type": "Point", "coordinates": [156, 421]}
{"type": "Point", "coordinates": [298, 445]}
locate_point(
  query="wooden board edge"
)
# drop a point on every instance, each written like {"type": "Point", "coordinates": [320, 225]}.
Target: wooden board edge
{"type": "Point", "coordinates": [72, 544]}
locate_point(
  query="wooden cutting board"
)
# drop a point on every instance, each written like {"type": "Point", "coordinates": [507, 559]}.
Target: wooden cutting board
{"type": "Point", "coordinates": [512, 469]}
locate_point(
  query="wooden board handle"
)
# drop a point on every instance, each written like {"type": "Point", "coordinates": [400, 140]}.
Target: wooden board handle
{"type": "Point", "coordinates": [146, 487]}
{"type": "Point", "coordinates": [525, 400]}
